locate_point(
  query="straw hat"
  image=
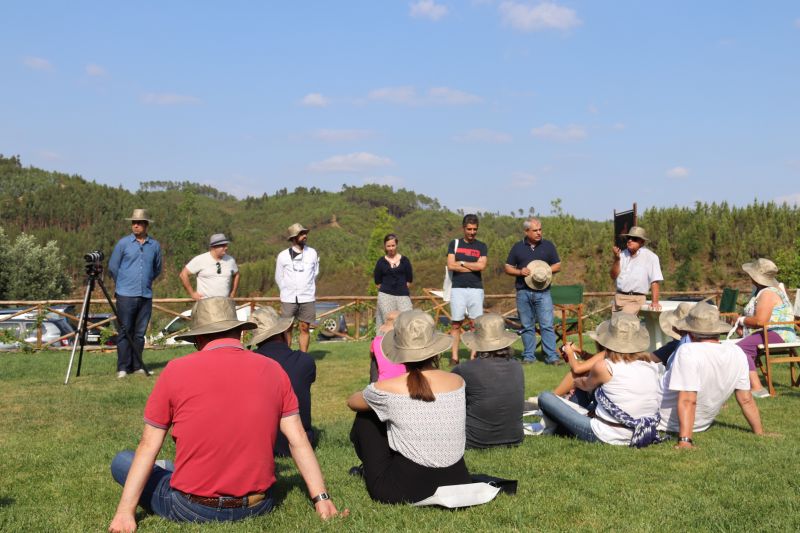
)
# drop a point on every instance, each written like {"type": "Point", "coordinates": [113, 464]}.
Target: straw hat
{"type": "Point", "coordinates": [540, 277]}
{"type": "Point", "coordinates": [638, 232]}
{"type": "Point", "coordinates": [763, 272]}
{"type": "Point", "coordinates": [704, 320]}
{"type": "Point", "coordinates": [624, 333]}
{"type": "Point", "coordinates": [667, 319]}
{"type": "Point", "coordinates": [414, 338]}
{"type": "Point", "coordinates": [268, 324]}
{"type": "Point", "coordinates": [213, 315]}
{"type": "Point", "coordinates": [218, 239]}
{"type": "Point", "coordinates": [140, 214]}
{"type": "Point", "coordinates": [295, 230]}
{"type": "Point", "coordinates": [490, 334]}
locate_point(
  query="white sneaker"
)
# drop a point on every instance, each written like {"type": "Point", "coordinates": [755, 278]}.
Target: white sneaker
{"type": "Point", "coordinates": [121, 374]}
{"type": "Point", "coordinates": [532, 403]}
{"type": "Point", "coordinates": [534, 428]}
{"type": "Point", "coordinates": [140, 371]}
{"type": "Point", "coordinates": [761, 393]}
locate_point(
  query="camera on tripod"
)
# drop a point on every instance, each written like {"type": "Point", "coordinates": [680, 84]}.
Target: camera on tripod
{"type": "Point", "coordinates": [94, 263]}
{"type": "Point", "coordinates": [95, 256]}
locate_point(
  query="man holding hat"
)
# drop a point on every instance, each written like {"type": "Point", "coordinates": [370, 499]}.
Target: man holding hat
{"type": "Point", "coordinates": [703, 375]}
{"type": "Point", "coordinates": [296, 272]}
{"type": "Point", "coordinates": [216, 271]}
{"type": "Point", "coordinates": [533, 261]}
{"type": "Point", "coordinates": [134, 264]}
{"type": "Point", "coordinates": [636, 271]}
{"type": "Point", "coordinates": [224, 405]}
{"type": "Point", "coordinates": [299, 366]}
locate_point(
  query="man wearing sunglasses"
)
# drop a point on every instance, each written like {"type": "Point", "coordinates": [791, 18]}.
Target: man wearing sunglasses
{"type": "Point", "coordinates": [216, 271]}
{"type": "Point", "coordinates": [637, 271]}
{"type": "Point", "coordinates": [296, 271]}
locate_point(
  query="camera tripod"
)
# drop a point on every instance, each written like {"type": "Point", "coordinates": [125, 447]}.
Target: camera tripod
{"type": "Point", "coordinates": [94, 273]}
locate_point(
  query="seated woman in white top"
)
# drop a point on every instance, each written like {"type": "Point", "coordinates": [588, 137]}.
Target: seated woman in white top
{"type": "Point", "coordinates": [626, 385]}
{"type": "Point", "coordinates": [409, 430]}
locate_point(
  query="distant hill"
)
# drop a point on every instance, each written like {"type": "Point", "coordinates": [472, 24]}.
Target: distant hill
{"type": "Point", "coordinates": [700, 247]}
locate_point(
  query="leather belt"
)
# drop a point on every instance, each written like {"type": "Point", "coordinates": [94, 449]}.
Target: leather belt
{"type": "Point", "coordinates": [631, 293]}
{"type": "Point", "coordinates": [227, 502]}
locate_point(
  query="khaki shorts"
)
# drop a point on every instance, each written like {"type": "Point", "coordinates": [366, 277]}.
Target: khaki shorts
{"type": "Point", "coordinates": [304, 312]}
{"type": "Point", "coordinates": [629, 303]}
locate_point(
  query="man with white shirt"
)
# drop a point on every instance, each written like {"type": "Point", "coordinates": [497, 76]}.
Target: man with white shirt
{"type": "Point", "coordinates": [217, 272]}
{"type": "Point", "coordinates": [636, 271]}
{"type": "Point", "coordinates": [703, 375]}
{"type": "Point", "coordinates": [296, 272]}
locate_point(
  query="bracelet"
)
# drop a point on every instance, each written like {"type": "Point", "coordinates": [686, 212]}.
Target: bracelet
{"type": "Point", "coordinates": [686, 439]}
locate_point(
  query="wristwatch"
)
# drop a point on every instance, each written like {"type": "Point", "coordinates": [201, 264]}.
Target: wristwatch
{"type": "Point", "coordinates": [319, 497]}
{"type": "Point", "coordinates": [686, 439]}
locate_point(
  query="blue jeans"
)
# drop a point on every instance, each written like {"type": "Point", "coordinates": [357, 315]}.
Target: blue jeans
{"type": "Point", "coordinates": [133, 313]}
{"type": "Point", "coordinates": [159, 498]}
{"type": "Point", "coordinates": [533, 307]}
{"type": "Point", "coordinates": [566, 417]}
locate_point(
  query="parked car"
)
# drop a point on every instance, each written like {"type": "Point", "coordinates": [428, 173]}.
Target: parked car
{"type": "Point", "coordinates": [25, 330]}
{"type": "Point", "coordinates": [93, 336]}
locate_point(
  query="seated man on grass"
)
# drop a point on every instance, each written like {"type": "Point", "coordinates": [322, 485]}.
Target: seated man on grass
{"type": "Point", "coordinates": [225, 405]}
{"type": "Point", "coordinates": [702, 376]}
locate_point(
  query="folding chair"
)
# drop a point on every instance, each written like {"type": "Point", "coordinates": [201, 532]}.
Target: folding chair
{"type": "Point", "coordinates": [775, 353]}
{"type": "Point", "coordinates": [568, 300]}
{"type": "Point", "coordinates": [728, 302]}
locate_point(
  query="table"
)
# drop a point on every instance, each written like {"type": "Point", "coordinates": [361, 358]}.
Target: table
{"type": "Point", "coordinates": [657, 337]}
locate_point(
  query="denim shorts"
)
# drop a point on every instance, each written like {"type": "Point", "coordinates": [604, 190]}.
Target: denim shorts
{"type": "Point", "coordinates": [465, 303]}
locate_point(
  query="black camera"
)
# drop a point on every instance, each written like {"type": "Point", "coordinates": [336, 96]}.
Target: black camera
{"type": "Point", "coordinates": [95, 256]}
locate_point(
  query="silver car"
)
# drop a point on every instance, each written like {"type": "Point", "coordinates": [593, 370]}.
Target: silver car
{"type": "Point", "coordinates": [25, 330]}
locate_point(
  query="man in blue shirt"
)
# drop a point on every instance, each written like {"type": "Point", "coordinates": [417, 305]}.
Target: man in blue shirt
{"type": "Point", "coordinates": [134, 264]}
{"type": "Point", "coordinates": [534, 304]}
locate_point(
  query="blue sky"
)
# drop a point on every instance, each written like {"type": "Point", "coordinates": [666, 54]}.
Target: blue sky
{"type": "Point", "coordinates": [485, 105]}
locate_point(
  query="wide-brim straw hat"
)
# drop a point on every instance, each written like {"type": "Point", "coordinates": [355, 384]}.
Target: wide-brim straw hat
{"type": "Point", "coordinates": [295, 230]}
{"type": "Point", "coordinates": [414, 338]}
{"type": "Point", "coordinates": [489, 335]}
{"type": "Point", "coordinates": [624, 333]}
{"type": "Point", "coordinates": [638, 232]}
{"type": "Point", "coordinates": [218, 239]}
{"type": "Point", "coordinates": [268, 323]}
{"type": "Point", "coordinates": [541, 275]}
{"type": "Point", "coordinates": [140, 214]}
{"type": "Point", "coordinates": [668, 319]}
{"type": "Point", "coordinates": [213, 315]}
{"type": "Point", "coordinates": [704, 320]}
{"type": "Point", "coordinates": [762, 271]}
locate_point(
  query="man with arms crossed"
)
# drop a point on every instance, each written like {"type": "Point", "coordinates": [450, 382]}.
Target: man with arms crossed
{"type": "Point", "coordinates": [636, 271]}
{"type": "Point", "coordinates": [134, 264]}
{"type": "Point", "coordinates": [225, 405]}
{"type": "Point", "coordinates": [534, 305]}
{"type": "Point", "coordinates": [703, 375]}
{"type": "Point", "coordinates": [296, 272]}
{"type": "Point", "coordinates": [466, 262]}
{"type": "Point", "coordinates": [216, 271]}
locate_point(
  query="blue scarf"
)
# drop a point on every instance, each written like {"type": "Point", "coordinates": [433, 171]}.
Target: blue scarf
{"type": "Point", "coordinates": [645, 430]}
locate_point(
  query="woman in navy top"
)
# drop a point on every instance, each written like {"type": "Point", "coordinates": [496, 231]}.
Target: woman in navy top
{"type": "Point", "coordinates": [393, 275]}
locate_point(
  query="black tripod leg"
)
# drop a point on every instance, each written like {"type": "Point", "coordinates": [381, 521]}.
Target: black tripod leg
{"type": "Point", "coordinates": [84, 324]}
{"type": "Point", "coordinates": [79, 339]}
{"type": "Point", "coordinates": [136, 353]}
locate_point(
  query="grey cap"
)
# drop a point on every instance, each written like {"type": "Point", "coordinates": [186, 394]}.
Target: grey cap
{"type": "Point", "coordinates": [218, 239]}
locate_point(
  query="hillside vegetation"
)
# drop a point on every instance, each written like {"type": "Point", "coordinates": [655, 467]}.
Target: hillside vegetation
{"type": "Point", "coordinates": [700, 247]}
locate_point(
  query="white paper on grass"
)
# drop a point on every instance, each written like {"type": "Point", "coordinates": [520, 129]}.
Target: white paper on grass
{"type": "Point", "coordinates": [466, 495]}
{"type": "Point", "coordinates": [574, 405]}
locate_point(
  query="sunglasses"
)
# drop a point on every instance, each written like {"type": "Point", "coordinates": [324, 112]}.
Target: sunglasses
{"type": "Point", "coordinates": [636, 239]}
{"type": "Point", "coordinates": [219, 268]}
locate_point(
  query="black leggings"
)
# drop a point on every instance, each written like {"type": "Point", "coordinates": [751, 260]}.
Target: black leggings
{"type": "Point", "coordinates": [392, 478]}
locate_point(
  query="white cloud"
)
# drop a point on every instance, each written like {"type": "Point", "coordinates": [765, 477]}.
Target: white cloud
{"type": "Point", "coordinates": [355, 162]}
{"type": "Point", "coordinates": [619, 126]}
{"type": "Point", "coordinates": [790, 199]}
{"type": "Point", "coordinates": [169, 99]}
{"type": "Point", "coordinates": [327, 135]}
{"type": "Point", "coordinates": [677, 172]}
{"type": "Point", "coordinates": [407, 95]}
{"type": "Point", "coordinates": [480, 135]}
{"type": "Point", "coordinates": [544, 16]}
{"type": "Point", "coordinates": [315, 100]}
{"type": "Point", "coordinates": [428, 9]}
{"type": "Point", "coordinates": [37, 63]}
{"type": "Point", "coordinates": [393, 181]}
{"type": "Point", "coordinates": [523, 180]}
{"type": "Point", "coordinates": [394, 95]}
{"type": "Point", "coordinates": [95, 70]}
{"type": "Point", "coordinates": [551, 132]}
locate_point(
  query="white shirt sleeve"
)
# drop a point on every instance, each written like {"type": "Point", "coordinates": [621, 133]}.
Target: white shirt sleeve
{"type": "Point", "coordinates": [195, 265]}
{"type": "Point", "coordinates": [279, 271]}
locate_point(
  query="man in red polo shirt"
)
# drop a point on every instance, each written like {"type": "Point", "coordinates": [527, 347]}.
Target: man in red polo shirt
{"type": "Point", "coordinates": [225, 405]}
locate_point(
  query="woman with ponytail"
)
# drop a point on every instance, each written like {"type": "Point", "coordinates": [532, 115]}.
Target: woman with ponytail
{"type": "Point", "coordinates": [409, 430]}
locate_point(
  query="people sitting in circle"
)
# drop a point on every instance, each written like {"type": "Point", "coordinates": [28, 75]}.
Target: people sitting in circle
{"type": "Point", "coordinates": [769, 303]}
{"type": "Point", "coordinates": [409, 430]}
{"type": "Point", "coordinates": [703, 375]}
{"type": "Point", "coordinates": [381, 368]}
{"type": "Point", "coordinates": [270, 341]}
{"type": "Point", "coordinates": [667, 321]}
{"type": "Point", "coordinates": [626, 389]}
{"type": "Point", "coordinates": [495, 385]}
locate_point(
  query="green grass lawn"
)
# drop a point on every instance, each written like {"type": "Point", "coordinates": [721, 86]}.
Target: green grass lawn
{"type": "Point", "coordinates": [56, 444]}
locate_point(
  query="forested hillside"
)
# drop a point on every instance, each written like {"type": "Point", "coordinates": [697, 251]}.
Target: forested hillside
{"type": "Point", "coordinates": [700, 247]}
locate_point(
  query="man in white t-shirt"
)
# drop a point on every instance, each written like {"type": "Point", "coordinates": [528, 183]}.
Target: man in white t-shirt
{"type": "Point", "coordinates": [636, 271]}
{"type": "Point", "coordinates": [216, 271]}
{"type": "Point", "coordinates": [703, 375]}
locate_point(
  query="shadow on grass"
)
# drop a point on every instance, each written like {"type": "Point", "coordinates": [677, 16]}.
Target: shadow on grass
{"type": "Point", "coordinates": [735, 427]}
{"type": "Point", "coordinates": [6, 501]}
{"type": "Point", "coordinates": [318, 355]}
